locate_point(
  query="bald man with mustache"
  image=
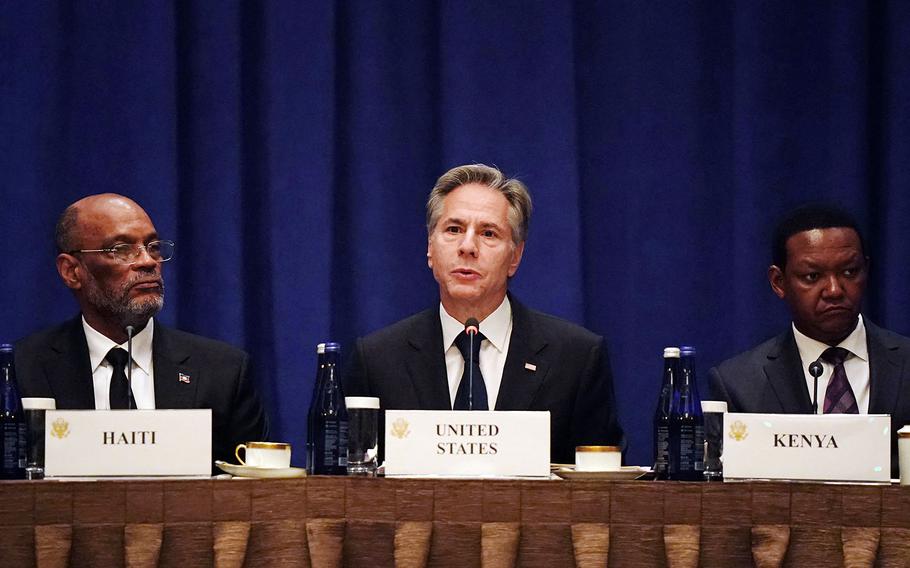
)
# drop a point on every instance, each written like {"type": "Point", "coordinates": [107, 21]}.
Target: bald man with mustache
{"type": "Point", "coordinates": [110, 256]}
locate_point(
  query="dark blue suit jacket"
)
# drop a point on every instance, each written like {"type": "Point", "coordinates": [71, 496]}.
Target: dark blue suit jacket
{"type": "Point", "coordinates": [770, 379]}
{"type": "Point", "coordinates": [404, 365]}
{"type": "Point", "coordinates": [55, 363]}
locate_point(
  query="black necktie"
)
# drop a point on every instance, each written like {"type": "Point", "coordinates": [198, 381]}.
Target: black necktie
{"type": "Point", "coordinates": [120, 388]}
{"type": "Point", "coordinates": [463, 342]}
{"type": "Point", "coordinates": [839, 398]}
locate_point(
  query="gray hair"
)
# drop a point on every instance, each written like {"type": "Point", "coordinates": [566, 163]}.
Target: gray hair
{"type": "Point", "coordinates": [513, 190]}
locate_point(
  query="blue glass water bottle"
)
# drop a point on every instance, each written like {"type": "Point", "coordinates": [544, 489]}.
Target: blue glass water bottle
{"type": "Point", "coordinates": [330, 420]}
{"type": "Point", "coordinates": [12, 419]}
{"type": "Point", "coordinates": [312, 411]}
{"type": "Point", "coordinates": [662, 414]}
{"type": "Point", "coordinates": [687, 447]}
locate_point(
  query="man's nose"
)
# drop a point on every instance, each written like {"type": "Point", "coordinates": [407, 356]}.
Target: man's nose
{"type": "Point", "coordinates": [144, 261]}
{"type": "Point", "coordinates": [833, 287]}
{"type": "Point", "coordinates": [468, 244]}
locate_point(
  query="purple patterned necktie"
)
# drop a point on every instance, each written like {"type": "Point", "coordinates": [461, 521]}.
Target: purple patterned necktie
{"type": "Point", "coordinates": [839, 398]}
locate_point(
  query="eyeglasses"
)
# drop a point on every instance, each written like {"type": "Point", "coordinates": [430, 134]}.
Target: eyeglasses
{"type": "Point", "coordinates": [159, 251]}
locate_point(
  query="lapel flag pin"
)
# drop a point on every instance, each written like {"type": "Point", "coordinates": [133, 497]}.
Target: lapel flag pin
{"type": "Point", "coordinates": [183, 378]}
{"type": "Point", "coordinates": [530, 366]}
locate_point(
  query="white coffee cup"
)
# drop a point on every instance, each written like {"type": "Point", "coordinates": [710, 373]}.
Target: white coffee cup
{"type": "Point", "coordinates": [264, 454]}
{"type": "Point", "coordinates": [598, 458]}
{"type": "Point", "coordinates": [903, 453]}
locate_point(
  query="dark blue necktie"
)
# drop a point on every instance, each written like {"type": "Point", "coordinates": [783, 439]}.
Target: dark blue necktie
{"type": "Point", "coordinates": [463, 342]}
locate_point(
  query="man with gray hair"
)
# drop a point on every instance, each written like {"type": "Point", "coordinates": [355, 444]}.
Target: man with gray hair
{"type": "Point", "coordinates": [477, 222]}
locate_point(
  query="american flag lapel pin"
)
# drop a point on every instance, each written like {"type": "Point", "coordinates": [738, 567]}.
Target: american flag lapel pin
{"type": "Point", "coordinates": [530, 366]}
{"type": "Point", "coordinates": [183, 378]}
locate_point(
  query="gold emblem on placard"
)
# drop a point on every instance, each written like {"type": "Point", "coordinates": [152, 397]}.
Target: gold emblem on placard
{"type": "Point", "coordinates": [400, 428]}
{"type": "Point", "coordinates": [738, 431]}
{"type": "Point", "coordinates": [60, 428]}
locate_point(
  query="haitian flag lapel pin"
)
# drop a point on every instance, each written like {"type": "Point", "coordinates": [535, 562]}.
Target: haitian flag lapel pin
{"type": "Point", "coordinates": [183, 378]}
{"type": "Point", "coordinates": [531, 367]}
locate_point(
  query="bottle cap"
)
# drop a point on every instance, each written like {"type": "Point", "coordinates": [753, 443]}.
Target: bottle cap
{"type": "Point", "coordinates": [687, 350]}
{"type": "Point", "coordinates": [713, 406]}
{"type": "Point", "coordinates": [32, 403]}
{"type": "Point", "coordinates": [6, 348]}
{"type": "Point", "coordinates": [320, 348]}
{"type": "Point", "coordinates": [354, 402]}
{"type": "Point", "coordinates": [332, 346]}
{"type": "Point", "coordinates": [671, 352]}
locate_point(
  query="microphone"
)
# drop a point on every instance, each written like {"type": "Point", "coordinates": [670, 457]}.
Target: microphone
{"type": "Point", "coordinates": [131, 403]}
{"type": "Point", "coordinates": [816, 370]}
{"type": "Point", "coordinates": [471, 327]}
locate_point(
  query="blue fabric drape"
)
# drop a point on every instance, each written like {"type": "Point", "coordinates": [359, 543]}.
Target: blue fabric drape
{"type": "Point", "coordinates": [288, 148]}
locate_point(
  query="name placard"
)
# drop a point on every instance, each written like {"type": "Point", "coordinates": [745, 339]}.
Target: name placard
{"type": "Point", "coordinates": [128, 442]}
{"type": "Point", "coordinates": [827, 447]}
{"type": "Point", "coordinates": [467, 443]}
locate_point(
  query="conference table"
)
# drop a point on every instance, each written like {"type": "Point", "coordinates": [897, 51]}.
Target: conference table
{"type": "Point", "coordinates": [337, 521]}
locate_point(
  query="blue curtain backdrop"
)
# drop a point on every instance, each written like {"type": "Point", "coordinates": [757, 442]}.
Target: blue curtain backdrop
{"type": "Point", "coordinates": [288, 148]}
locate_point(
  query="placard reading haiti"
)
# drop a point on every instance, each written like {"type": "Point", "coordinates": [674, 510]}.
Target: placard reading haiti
{"type": "Point", "coordinates": [467, 443]}
{"type": "Point", "coordinates": [128, 442]}
{"type": "Point", "coordinates": [828, 447]}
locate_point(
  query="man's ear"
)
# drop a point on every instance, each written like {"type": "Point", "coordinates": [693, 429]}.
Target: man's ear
{"type": "Point", "coordinates": [516, 259]}
{"type": "Point", "coordinates": [776, 279]}
{"type": "Point", "coordinates": [70, 270]}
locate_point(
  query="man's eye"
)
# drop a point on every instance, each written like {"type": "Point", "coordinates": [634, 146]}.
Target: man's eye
{"type": "Point", "coordinates": [811, 277]}
{"type": "Point", "coordinates": [488, 234]}
{"type": "Point", "coordinates": [851, 272]}
{"type": "Point", "coordinates": [453, 229]}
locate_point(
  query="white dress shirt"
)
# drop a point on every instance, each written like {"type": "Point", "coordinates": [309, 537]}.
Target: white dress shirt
{"type": "Point", "coordinates": [856, 365]}
{"type": "Point", "coordinates": [143, 376]}
{"type": "Point", "coordinates": [497, 330]}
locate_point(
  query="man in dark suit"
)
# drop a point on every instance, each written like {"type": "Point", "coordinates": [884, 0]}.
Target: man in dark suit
{"type": "Point", "coordinates": [820, 269]}
{"type": "Point", "coordinates": [477, 221]}
{"type": "Point", "coordinates": [110, 255]}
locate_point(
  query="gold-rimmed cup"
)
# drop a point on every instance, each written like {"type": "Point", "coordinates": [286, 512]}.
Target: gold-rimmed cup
{"type": "Point", "coordinates": [264, 454]}
{"type": "Point", "coordinates": [598, 458]}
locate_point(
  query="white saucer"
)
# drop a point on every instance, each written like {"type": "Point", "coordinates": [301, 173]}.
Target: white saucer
{"type": "Point", "coordinates": [626, 472]}
{"type": "Point", "coordinates": [260, 472]}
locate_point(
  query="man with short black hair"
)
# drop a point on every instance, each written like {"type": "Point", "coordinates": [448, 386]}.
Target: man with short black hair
{"type": "Point", "coordinates": [477, 225]}
{"type": "Point", "coordinates": [820, 270]}
{"type": "Point", "coordinates": [110, 257]}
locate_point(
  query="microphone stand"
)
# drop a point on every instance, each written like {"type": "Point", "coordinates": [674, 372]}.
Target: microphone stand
{"type": "Point", "coordinates": [471, 375]}
{"type": "Point", "coordinates": [471, 327]}
{"type": "Point", "coordinates": [816, 370]}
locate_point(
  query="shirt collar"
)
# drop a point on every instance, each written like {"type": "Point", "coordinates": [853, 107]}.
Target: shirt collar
{"type": "Point", "coordinates": [99, 345]}
{"type": "Point", "coordinates": [811, 349]}
{"type": "Point", "coordinates": [495, 327]}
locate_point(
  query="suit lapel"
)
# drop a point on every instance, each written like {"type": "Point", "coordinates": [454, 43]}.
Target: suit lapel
{"type": "Point", "coordinates": [786, 378]}
{"type": "Point", "coordinates": [175, 377]}
{"type": "Point", "coordinates": [427, 368]}
{"type": "Point", "coordinates": [526, 349]}
{"type": "Point", "coordinates": [69, 369]}
{"type": "Point", "coordinates": [885, 371]}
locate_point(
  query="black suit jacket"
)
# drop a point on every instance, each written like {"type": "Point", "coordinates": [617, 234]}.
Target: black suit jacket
{"type": "Point", "coordinates": [404, 365]}
{"type": "Point", "coordinates": [770, 379]}
{"type": "Point", "coordinates": [55, 363]}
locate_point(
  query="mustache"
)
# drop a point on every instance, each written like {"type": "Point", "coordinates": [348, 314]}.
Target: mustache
{"type": "Point", "coordinates": [143, 280]}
